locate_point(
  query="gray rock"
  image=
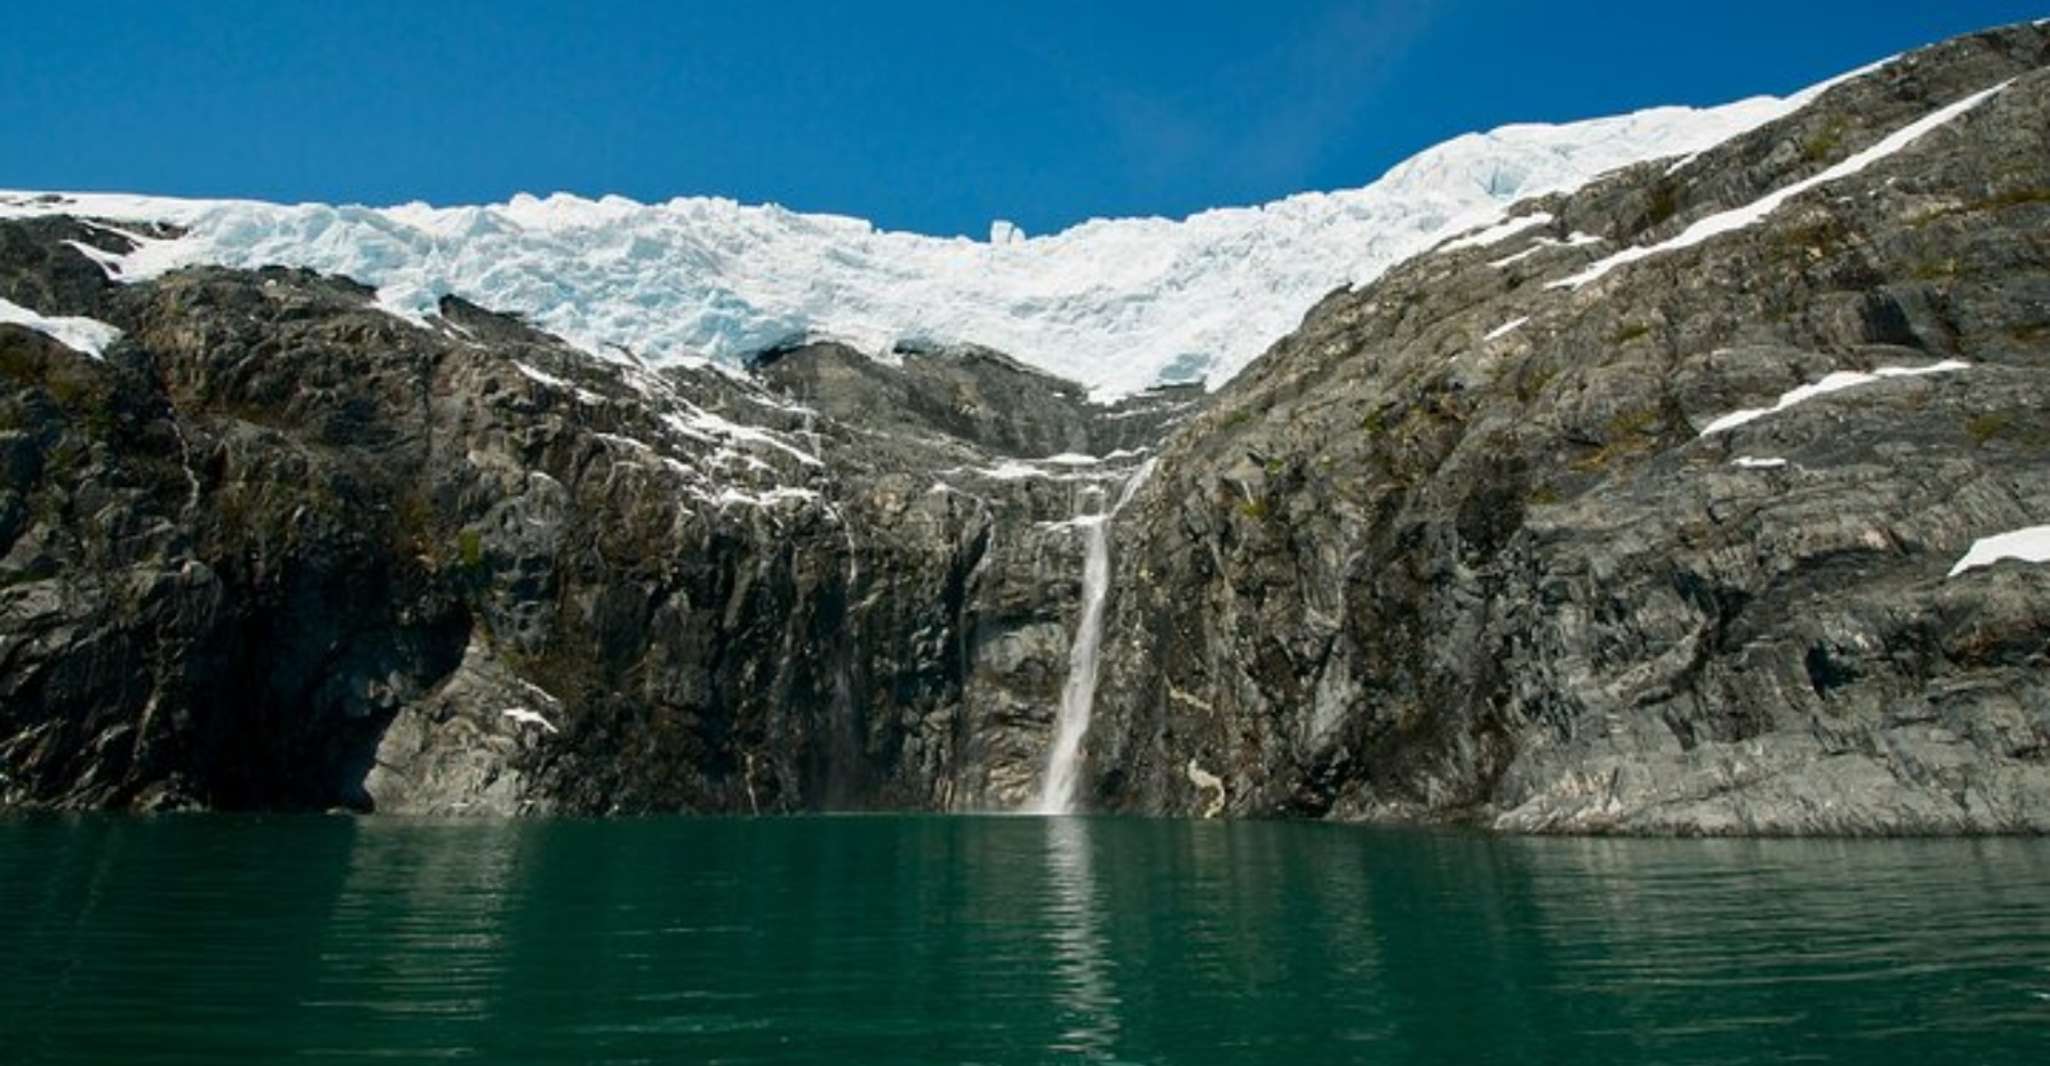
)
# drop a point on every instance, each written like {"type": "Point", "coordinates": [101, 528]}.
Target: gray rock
{"type": "Point", "coordinates": [1444, 572]}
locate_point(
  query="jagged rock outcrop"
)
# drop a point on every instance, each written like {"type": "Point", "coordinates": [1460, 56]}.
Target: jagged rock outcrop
{"type": "Point", "coordinates": [1473, 544]}
{"type": "Point", "coordinates": [1634, 514]}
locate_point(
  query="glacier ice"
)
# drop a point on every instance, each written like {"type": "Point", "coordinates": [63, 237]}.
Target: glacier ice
{"type": "Point", "coordinates": [1115, 304]}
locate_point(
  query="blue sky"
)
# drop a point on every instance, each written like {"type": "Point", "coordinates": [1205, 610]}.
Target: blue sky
{"type": "Point", "coordinates": [936, 117]}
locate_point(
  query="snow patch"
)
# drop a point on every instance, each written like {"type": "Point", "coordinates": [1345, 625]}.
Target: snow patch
{"type": "Point", "coordinates": [629, 443]}
{"type": "Point", "coordinates": [729, 496]}
{"type": "Point", "coordinates": [1498, 233]}
{"type": "Point", "coordinates": [526, 716]}
{"type": "Point", "coordinates": [546, 696]}
{"type": "Point", "coordinates": [2031, 545]}
{"type": "Point", "coordinates": [1010, 470]}
{"type": "Point", "coordinates": [706, 427]}
{"type": "Point", "coordinates": [1751, 463]}
{"type": "Point", "coordinates": [1539, 244]}
{"type": "Point", "coordinates": [1837, 381]}
{"type": "Point", "coordinates": [541, 376]}
{"type": "Point", "coordinates": [1504, 329]}
{"type": "Point", "coordinates": [108, 262]}
{"type": "Point", "coordinates": [1535, 248]}
{"type": "Point", "coordinates": [86, 336]}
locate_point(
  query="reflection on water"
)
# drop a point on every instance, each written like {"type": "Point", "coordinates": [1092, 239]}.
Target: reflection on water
{"type": "Point", "coordinates": [1765, 944]}
{"type": "Point", "coordinates": [1074, 921]}
{"type": "Point", "coordinates": [417, 931]}
{"type": "Point", "coordinates": [998, 940]}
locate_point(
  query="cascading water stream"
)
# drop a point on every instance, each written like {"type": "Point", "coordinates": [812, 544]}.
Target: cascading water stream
{"type": "Point", "coordinates": [1078, 693]}
{"type": "Point", "coordinates": [1057, 791]}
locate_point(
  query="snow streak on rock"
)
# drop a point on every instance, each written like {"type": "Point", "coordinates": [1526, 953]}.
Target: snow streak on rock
{"type": "Point", "coordinates": [1750, 214]}
{"type": "Point", "coordinates": [1837, 381]}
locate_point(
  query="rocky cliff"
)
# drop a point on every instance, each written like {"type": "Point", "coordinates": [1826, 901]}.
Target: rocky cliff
{"type": "Point", "coordinates": [280, 548]}
{"type": "Point", "coordinates": [1636, 512]}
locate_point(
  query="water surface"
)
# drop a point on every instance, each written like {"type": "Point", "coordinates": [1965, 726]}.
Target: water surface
{"type": "Point", "coordinates": [1004, 940]}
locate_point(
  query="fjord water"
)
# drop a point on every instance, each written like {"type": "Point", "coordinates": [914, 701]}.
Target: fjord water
{"type": "Point", "coordinates": [933, 939]}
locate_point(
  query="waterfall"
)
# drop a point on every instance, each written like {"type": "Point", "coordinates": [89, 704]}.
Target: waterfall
{"type": "Point", "coordinates": [1057, 791]}
{"type": "Point", "coordinates": [1078, 693]}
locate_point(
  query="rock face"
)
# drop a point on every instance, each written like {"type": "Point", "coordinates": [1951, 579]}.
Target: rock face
{"type": "Point", "coordinates": [1461, 547]}
{"type": "Point", "coordinates": [1479, 542]}
{"type": "Point", "coordinates": [283, 549]}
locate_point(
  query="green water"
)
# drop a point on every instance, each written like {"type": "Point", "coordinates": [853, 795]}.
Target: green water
{"type": "Point", "coordinates": [898, 940]}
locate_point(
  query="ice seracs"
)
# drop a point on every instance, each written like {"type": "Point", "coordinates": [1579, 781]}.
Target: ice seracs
{"type": "Point", "coordinates": [1118, 305]}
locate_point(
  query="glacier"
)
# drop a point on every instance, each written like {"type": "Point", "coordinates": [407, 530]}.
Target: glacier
{"type": "Point", "coordinates": [1118, 305]}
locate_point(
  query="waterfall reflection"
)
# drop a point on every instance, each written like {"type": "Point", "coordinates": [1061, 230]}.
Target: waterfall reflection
{"type": "Point", "coordinates": [1082, 964]}
{"type": "Point", "coordinates": [415, 935]}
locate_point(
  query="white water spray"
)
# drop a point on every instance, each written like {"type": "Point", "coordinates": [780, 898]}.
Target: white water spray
{"type": "Point", "coordinates": [1078, 693]}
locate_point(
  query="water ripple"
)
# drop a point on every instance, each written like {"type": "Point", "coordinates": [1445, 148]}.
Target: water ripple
{"type": "Point", "coordinates": [1001, 941]}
